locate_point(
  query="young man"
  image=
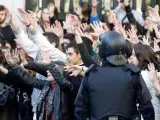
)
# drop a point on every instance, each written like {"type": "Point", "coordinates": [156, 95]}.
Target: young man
{"type": "Point", "coordinates": [74, 58]}
{"type": "Point", "coordinates": [6, 29]}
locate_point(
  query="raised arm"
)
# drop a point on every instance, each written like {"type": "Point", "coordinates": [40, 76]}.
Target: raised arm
{"type": "Point", "coordinates": [30, 48]}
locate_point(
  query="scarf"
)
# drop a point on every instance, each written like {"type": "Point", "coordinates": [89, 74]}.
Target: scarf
{"type": "Point", "coordinates": [46, 102]}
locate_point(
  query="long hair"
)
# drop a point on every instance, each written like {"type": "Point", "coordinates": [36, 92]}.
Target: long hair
{"type": "Point", "coordinates": [55, 9]}
{"type": "Point", "coordinates": [145, 55]}
{"type": "Point", "coordinates": [41, 21]}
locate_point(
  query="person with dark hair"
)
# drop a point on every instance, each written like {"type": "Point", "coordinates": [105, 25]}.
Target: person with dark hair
{"type": "Point", "coordinates": [73, 55]}
{"type": "Point", "coordinates": [74, 58]}
{"type": "Point", "coordinates": [45, 19]}
{"type": "Point", "coordinates": [86, 11]}
{"type": "Point", "coordinates": [52, 38]}
{"type": "Point", "coordinates": [129, 48]}
{"type": "Point", "coordinates": [68, 38]}
{"type": "Point", "coordinates": [142, 56]}
{"type": "Point", "coordinates": [6, 29]}
{"type": "Point", "coordinates": [53, 12]}
{"type": "Point", "coordinates": [99, 98]}
{"type": "Point", "coordinates": [51, 104]}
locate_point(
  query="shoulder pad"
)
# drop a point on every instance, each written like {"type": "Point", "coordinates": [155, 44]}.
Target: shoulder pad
{"type": "Point", "coordinates": [132, 67]}
{"type": "Point", "coordinates": [91, 67]}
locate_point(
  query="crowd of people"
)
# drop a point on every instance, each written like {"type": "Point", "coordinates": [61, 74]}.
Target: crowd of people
{"type": "Point", "coordinates": [83, 68]}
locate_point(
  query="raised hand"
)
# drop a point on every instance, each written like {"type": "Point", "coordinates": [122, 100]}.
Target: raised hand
{"type": "Point", "coordinates": [157, 32]}
{"type": "Point", "coordinates": [74, 70]}
{"type": "Point", "coordinates": [57, 29]}
{"type": "Point", "coordinates": [45, 58]}
{"type": "Point", "coordinates": [133, 38]}
{"type": "Point", "coordinates": [153, 71]}
{"type": "Point", "coordinates": [23, 17]}
{"type": "Point", "coordinates": [9, 58]}
{"type": "Point", "coordinates": [68, 25]}
{"type": "Point", "coordinates": [119, 28]}
{"type": "Point", "coordinates": [146, 41]}
{"type": "Point", "coordinates": [15, 56]}
{"type": "Point", "coordinates": [32, 18]}
{"type": "Point", "coordinates": [98, 29]}
{"type": "Point", "coordinates": [77, 31]}
{"type": "Point", "coordinates": [156, 46]}
{"type": "Point", "coordinates": [84, 26]}
{"type": "Point", "coordinates": [154, 14]}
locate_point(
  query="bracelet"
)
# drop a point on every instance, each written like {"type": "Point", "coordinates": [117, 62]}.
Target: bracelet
{"type": "Point", "coordinates": [28, 25]}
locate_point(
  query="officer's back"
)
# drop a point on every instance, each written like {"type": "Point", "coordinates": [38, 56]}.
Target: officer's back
{"type": "Point", "coordinates": [111, 92]}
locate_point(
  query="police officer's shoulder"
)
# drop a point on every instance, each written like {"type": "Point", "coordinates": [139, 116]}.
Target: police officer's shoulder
{"type": "Point", "coordinates": [91, 69]}
{"type": "Point", "coordinates": [132, 68]}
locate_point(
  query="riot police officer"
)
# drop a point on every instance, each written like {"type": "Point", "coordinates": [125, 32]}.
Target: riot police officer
{"type": "Point", "coordinates": [112, 91]}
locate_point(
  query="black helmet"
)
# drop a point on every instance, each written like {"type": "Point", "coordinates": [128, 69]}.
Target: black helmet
{"type": "Point", "coordinates": [112, 48]}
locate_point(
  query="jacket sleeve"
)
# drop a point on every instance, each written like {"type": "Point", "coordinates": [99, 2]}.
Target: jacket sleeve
{"type": "Point", "coordinates": [42, 42]}
{"type": "Point", "coordinates": [37, 67]}
{"type": "Point", "coordinates": [65, 85]}
{"type": "Point", "coordinates": [130, 15]}
{"type": "Point", "coordinates": [29, 47]}
{"type": "Point", "coordinates": [26, 78]}
{"type": "Point", "coordinates": [134, 19]}
{"type": "Point", "coordinates": [86, 58]}
{"type": "Point", "coordinates": [143, 98]}
{"type": "Point", "coordinates": [82, 101]}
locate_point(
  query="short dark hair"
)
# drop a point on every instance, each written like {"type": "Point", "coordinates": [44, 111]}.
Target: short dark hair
{"type": "Point", "coordinates": [2, 8]}
{"type": "Point", "coordinates": [52, 38]}
{"type": "Point", "coordinates": [70, 37]}
{"type": "Point", "coordinates": [74, 46]}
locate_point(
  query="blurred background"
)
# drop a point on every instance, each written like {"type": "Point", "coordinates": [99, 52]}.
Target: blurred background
{"type": "Point", "coordinates": [65, 6]}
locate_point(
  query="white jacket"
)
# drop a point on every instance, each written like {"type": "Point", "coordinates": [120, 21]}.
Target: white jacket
{"type": "Point", "coordinates": [40, 42]}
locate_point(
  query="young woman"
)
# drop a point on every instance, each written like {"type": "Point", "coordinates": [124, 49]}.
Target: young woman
{"type": "Point", "coordinates": [142, 56]}
{"type": "Point", "coordinates": [53, 12]}
{"type": "Point", "coordinates": [45, 21]}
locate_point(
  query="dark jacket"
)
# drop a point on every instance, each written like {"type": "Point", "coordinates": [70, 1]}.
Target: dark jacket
{"type": "Point", "coordinates": [86, 57]}
{"type": "Point", "coordinates": [8, 35]}
{"type": "Point", "coordinates": [113, 91]}
{"type": "Point", "coordinates": [12, 109]}
{"type": "Point", "coordinates": [64, 85]}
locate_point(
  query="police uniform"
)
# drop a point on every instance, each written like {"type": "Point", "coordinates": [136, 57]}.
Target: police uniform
{"type": "Point", "coordinates": [112, 91]}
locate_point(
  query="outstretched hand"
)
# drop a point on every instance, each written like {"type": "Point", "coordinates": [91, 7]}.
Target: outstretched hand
{"type": "Point", "coordinates": [133, 36]}
{"type": "Point", "coordinates": [8, 58]}
{"type": "Point", "coordinates": [74, 70]}
{"type": "Point", "coordinates": [151, 68]}
{"type": "Point", "coordinates": [15, 56]}
{"type": "Point", "coordinates": [98, 29]}
{"type": "Point", "coordinates": [23, 17]}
